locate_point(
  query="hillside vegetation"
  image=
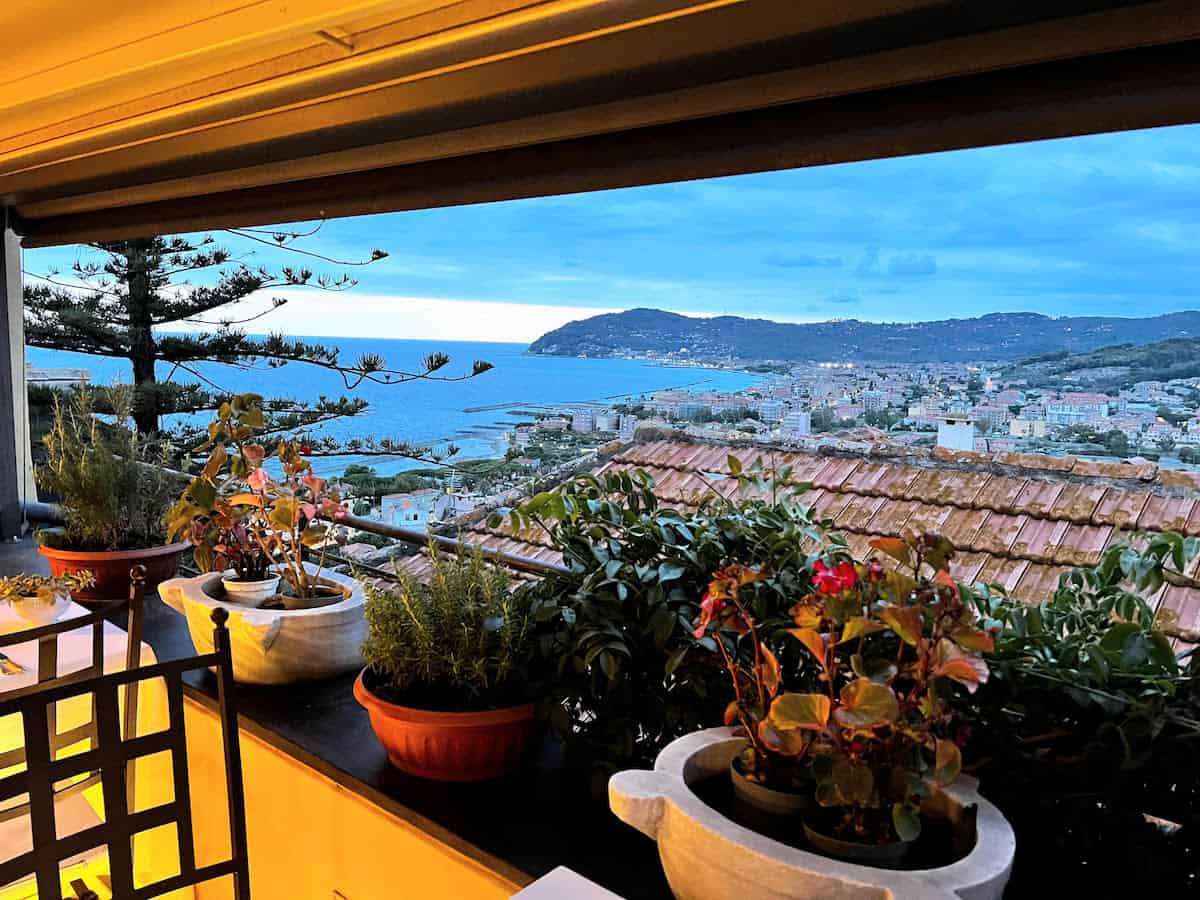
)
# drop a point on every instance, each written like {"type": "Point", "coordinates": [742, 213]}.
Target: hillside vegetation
{"type": "Point", "coordinates": [999, 337]}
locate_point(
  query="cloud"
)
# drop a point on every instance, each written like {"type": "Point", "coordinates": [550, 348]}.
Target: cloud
{"type": "Point", "coordinates": [868, 265]}
{"type": "Point", "coordinates": [912, 264]}
{"type": "Point", "coordinates": [802, 261]}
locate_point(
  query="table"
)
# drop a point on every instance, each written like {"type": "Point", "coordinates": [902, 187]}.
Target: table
{"type": "Point", "coordinates": [155, 855]}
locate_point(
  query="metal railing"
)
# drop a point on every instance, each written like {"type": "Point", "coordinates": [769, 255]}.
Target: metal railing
{"type": "Point", "coordinates": [51, 514]}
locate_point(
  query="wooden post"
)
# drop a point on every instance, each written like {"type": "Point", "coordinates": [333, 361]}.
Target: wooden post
{"type": "Point", "coordinates": [14, 422]}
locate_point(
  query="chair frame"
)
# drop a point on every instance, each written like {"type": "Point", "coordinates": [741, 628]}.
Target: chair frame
{"type": "Point", "coordinates": [111, 756]}
{"type": "Point", "coordinates": [47, 676]}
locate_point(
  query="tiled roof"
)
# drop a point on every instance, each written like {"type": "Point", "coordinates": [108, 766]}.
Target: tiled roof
{"type": "Point", "coordinates": [1017, 519]}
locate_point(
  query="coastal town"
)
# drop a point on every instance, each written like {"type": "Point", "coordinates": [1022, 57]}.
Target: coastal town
{"type": "Point", "coordinates": [843, 406]}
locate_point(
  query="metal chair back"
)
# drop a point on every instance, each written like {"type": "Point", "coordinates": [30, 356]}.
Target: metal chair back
{"type": "Point", "coordinates": [111, 757]}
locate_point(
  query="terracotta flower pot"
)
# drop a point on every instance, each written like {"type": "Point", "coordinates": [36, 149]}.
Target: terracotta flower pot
{"type": "Point", "coordinates": [111, 568]}
{"type": "Point", "coordinates": [762, 799]}
{"type": "Point", "coordinates": [881, 856]}
{"type": "Point", "coordinates": [449, 746]}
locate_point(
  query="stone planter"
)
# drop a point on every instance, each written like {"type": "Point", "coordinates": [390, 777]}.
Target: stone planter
{"type": "Point", "coordinates": [276, 646]}
{"type": "Point", "coordinates": [707, 856]}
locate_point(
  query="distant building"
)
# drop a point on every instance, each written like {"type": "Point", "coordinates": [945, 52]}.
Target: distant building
{"type": "Point", "coordinates": [873, 401]}
{"type": "Point", "coordinates": [1027, 428]}
{"type": "Point", "coordinates": [797, 423]}
{"type": "Point", "coordinates": [771, 410]}
{"type": "Point", "coordinates": [956, 433]}
{"type": "Point", "coordinates": [56, 378]}
{"type": "Point", "coordinates": [583, 419]}
{"type": "Point", "coordinates": [411, 510]}
{"type": "Point", "coordinates": [1077, 409]}
{"type": "Point", "coordinates": [627, 428]}
{"type": "Point", "coordinates": [605, 421]}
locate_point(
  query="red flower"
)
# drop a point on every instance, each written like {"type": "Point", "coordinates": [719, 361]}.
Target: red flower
{"type": "Point", "coordinates": [834, 580]}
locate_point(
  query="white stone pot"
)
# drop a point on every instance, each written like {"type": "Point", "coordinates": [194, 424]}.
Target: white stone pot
{"type": "Point", "coordinates": [276, 646]}
{"type": "Point", "coordinates": [36, 611]}
{"type": "Point", "coordinates": [707, 856]}
{"type": "Point", "coordinates": [249, 593]}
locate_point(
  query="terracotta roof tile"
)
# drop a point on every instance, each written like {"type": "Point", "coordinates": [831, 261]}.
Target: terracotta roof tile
{"type": "Point", "coordinates": [1193, 522]}
{"type": "Point", "coordinates": [1179, 478]}
{"type": "Point", "coordinates": [1077, 502]}
{"type": "Point", "coordinates": [928, 519]}
{"type": "Point", "coordinates": [947, 486]}
{"type": "Point", "coordinates": [1037, 461]}
{"type": "Point", "coordinates": [858, 513]}
{"type": "Point", "coordinates": [965, 567]}
{"type": "Point", "coordinates": [891, 517]}
{"type": "Point", "coordinates": [1120, 507]}
{"type": "Point", "coordinates": [835, 471]}
{"type": "Point", "coordinates": [962, 525]}
{"type": "Point", "coordinates": [1000, 493]}
{"type": "Point", "coordinates": [945, 454]}
{"type": "Point", "coordinates": [1166, 513]}
{"type": "Point", "coordinates": [1038, 539]}
{"type": "Point", "coordinates": [715, 459]}
{"type": "Point", "coordinates": [831, 503]}
{"type": "Point", "coordinates": [1037, 498]}
{"type": "Point", "coordinates": [1038, 582]}
{"type": "Point", "coordinates": [804, 467]}
{"type": "Point", "coordinates": [1090, 467]}
{"type": "Point", "coordinates": [896, 483]}
{"type": "Point", "coordinates": [1185, 603]}
{"type": "Point", "coordinates": [866, 477]}
{"type": "Point", "coordinates": [1083, 544]}
{"type": "Point", "coordinates": [1004, 572]}
{"type": "Point", "coordinates": [997, 533]}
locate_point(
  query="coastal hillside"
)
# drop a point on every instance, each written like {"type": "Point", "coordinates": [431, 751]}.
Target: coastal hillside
{"type": "Point", "coordinates": [1112, 367]}
{"type": "Point", "coordinates": [1000, 337]}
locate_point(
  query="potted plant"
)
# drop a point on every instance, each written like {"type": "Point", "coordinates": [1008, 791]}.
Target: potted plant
{"type": "Point", "coordinates": [881, 736]}
{"type": "Point", "coordinates": [891, 651]}
{"type": "Point", "coordinates": [40, 600]}
{"type": "Point", "coordinates": [253, 526]}
{"type": "Point", "coordinates": [114, 489]}
{"type": "Point", "coordinates": [447, 678]}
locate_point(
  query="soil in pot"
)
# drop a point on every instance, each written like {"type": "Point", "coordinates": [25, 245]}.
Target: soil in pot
{"type": "Point", "coordinates": [765, 804]}
{"type": "Point", "coordinates": [937, 845]}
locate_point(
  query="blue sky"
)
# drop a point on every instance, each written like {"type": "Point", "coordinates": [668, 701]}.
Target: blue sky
{"type": "Point", "coordinates": [1100, 225]}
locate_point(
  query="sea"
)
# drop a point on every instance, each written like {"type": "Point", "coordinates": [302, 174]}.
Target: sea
{"type": "Point", "coordinates": [475, 414]}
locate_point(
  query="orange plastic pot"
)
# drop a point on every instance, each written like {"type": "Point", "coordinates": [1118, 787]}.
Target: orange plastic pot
{"type": "Point", "coordinates": [111, 568]}
{"type": "Point", "coordinates": [450, 746]}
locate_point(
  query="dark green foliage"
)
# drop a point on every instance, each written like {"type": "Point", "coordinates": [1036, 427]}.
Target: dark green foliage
{"type": "Point", "coordinates": [1176, 357]}
{"type": "Point", "coordinates": [462, 642]}
{"type": "Point", "coordinates": [121, 295]}
{"type": "Point", "coordinates": [109, 480]}
{"type": "Point", "coordinates": [631, 676]}
{"type": "Point", "coordinates": [1088, 724]}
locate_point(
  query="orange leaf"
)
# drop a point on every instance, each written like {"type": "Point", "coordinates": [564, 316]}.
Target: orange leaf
{"type": "Point", "coordinates": [812, 640]}
{"type": "Point", "coordinates": [857, 626]}
{"type": "Point", "coordinates": [895, 548]}
{"type": "Point", "coordinates": [804, 711]}
{"type": "Point", "coordinates": [948, 761]}
{"type": "Point", "coordinates": [784, 741]}
{"type": "Point", "coordinates": [771, 674]}
{"type": "Point", "coordinates": [973, 639]}
{"type": "Point", "coordinates": [906, 621]}
{"type": "Point", "coordinates": [806, 615]}
{"type": "Point", "coordinates": [943, 578]}
{"type": "Point", "coordinates": [866, 704]}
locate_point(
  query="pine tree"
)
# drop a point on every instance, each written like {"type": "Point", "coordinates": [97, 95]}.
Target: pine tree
{"type": "Point", "coordinates": [124, 298]}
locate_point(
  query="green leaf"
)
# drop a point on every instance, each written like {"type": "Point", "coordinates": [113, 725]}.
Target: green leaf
{"type": "Point", "coordinates": [670, 571]}
{"type": "Point", "coordinates": [906, 819]}
{"type": "Point", "coordinates": [203, 493]}
{"type": "Point", "coordinates": [855, 783]}
{"type": "Point", "coordinates": [947, 761]}
{"type": "Point", "coordinates": [866, 704]}
{"type": "Point", "coordinates": [735, 465]}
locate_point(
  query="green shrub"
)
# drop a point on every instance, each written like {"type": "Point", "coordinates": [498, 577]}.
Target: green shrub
{"type": "Point", "coordinates": [463, 641]}
{"type": "Point", "coordinates": [111, 483]}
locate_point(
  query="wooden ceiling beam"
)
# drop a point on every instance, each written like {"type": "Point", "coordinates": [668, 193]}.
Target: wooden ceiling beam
{"type": "Point", "coordinates": [1138, 88]}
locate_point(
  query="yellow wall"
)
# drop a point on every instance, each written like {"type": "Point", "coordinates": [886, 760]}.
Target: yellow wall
{"type": "Point", "coordinates": [310, 837]}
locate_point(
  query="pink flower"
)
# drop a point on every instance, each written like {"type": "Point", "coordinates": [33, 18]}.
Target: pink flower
{"type": "Point", "coordinates": [834, 580]}
{"type": "Point", "coordinates": [257, 479]}
{"type": "Point", "coordinates": [315, 484]}
{"type": "Point", "coordinates": [254, 453]}
{"type": "Point", "coordinates": [308, 510]}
